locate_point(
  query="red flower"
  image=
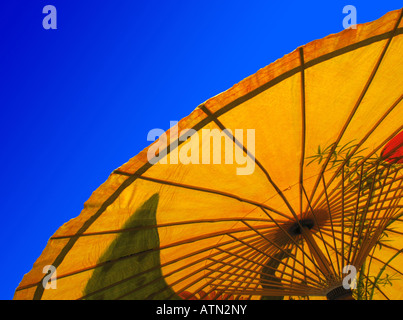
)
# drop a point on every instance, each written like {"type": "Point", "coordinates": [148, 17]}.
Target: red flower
{"type": "Point", "coordinates": [393, 151]}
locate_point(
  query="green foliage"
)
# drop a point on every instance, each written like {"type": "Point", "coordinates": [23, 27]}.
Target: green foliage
{"type": "Point", "coordinates": [130, 267]}
{"type": "Point", "coordinates": [359, 171]}
{"type": "Point", "coordinates": [362, 176]}
{"type": "Point", "coordinates": [367, 284]}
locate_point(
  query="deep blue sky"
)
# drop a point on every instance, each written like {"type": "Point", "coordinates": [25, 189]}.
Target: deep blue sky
{"type": "Point", "coordinates": [78, 102]}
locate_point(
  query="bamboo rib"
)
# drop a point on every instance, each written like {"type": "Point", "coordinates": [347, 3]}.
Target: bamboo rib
{"type": "Point", "coordinates": [359, 100]}
{"type": "Point", "coordinates": [361, 163]}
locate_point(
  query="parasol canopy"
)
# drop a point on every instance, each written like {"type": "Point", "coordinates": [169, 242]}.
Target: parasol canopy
{"type": "Point", "coordinates": [284, 186]}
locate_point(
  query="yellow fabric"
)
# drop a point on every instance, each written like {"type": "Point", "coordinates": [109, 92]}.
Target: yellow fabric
{"type": "Point", "coordinates": [201, 206]}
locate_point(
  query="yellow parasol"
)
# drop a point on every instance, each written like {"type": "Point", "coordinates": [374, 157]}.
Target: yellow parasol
{"type": "Point", "coordinates": [286, 185]}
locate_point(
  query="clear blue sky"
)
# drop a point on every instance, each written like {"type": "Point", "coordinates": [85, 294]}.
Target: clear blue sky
{"type": "Point", "coordinates": [78, 101]}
